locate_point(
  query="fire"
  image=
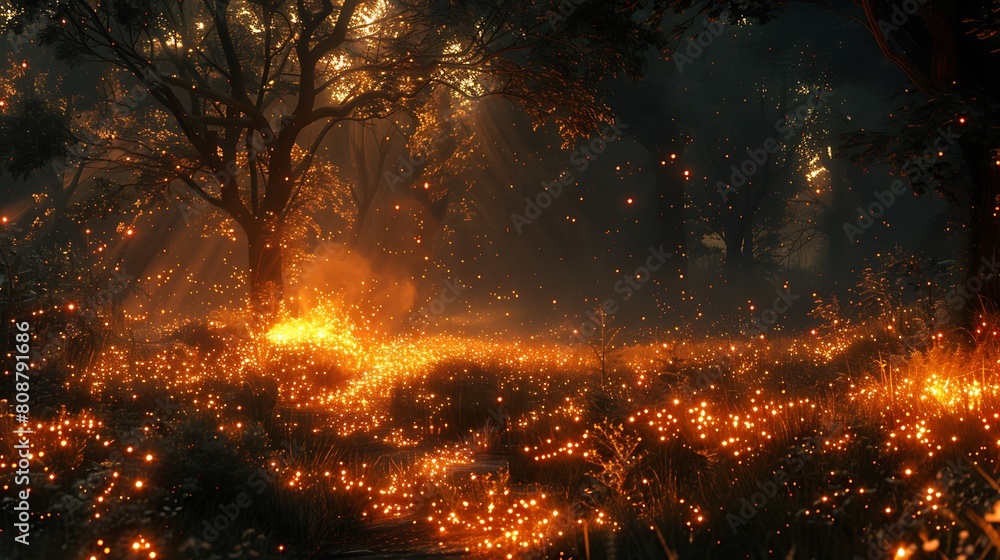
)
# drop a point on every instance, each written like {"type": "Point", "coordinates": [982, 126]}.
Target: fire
{"type": "Point", "coordinates": [325, 326]}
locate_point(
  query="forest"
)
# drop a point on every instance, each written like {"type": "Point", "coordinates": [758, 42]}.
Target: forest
{"type": "Point", "coordinates": [477, 279]}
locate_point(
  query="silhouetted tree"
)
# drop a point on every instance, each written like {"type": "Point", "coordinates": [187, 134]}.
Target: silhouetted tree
{"type": "Point", "coordinates": [951, 53]}
{"type": "Point", "coordinates": [247, 93]}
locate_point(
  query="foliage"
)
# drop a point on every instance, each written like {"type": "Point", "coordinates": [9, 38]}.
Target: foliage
{"type": "Point", "coordinates": [34, 134]}
{"type": "Point", "coordinates": [246, 121]}
{"type": "Point", "coordinates": [902, 295]}
{"type": "Point", "coordinates": [909, 141]}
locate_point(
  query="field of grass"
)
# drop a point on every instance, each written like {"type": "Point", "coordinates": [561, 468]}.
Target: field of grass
{"type": "Point", "coordinates": [312, 442]}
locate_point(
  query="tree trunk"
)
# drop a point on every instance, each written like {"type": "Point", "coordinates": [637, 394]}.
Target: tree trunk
{"type": "Point", "coordinates": [734, 249]}
{"type": "Point", "coordinates": [832, 225]}
{"type": "Point", "coordinates": [266, 281]}
{"type": "Point", "coordinates": [748, 258]}
{"type": "Point", "coordinates": [984, 232]}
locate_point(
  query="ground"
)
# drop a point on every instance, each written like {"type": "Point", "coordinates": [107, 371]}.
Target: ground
{"type": "Point", "coordinates": [313, 441]}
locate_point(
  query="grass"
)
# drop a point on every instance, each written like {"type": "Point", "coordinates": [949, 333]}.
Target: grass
{"type": "Point", "coordinates": [798, 447]}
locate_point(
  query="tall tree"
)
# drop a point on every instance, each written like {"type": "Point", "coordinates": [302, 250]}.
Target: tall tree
{"type": "Point", "coordinates": [731, 206]}
{"type": "Point", "coordinates": [248, 90]}
{"type": "Point", "coordinates": [950, 51]}
{"type": "Point", "coordinates": [41, 136]}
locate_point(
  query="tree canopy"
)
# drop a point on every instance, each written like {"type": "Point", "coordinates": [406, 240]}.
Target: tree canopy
{"type": "Point", "coordinates": [245, 93]}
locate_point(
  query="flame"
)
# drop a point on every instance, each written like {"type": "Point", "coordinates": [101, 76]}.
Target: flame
{"type": "Point", "coordinates": [326, 326]}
